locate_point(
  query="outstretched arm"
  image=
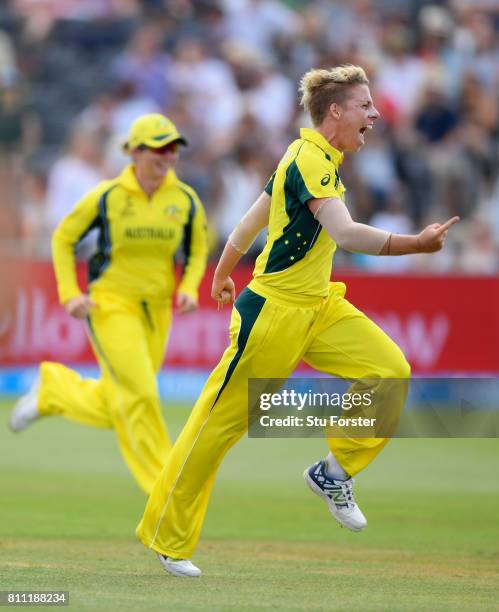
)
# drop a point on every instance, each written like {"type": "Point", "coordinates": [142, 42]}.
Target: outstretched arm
{"type": "Point", "coordinates": [430, 240]}
{"type": "Point", "coordinates": [333, 215]}
{"type": "Point", "coordinates": [238, 243]}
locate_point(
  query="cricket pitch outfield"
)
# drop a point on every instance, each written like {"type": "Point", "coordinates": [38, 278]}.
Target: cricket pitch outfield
{"type": "Point", "coordinates": [69, 510]}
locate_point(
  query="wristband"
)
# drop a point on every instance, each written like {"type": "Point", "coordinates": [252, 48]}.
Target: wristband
{"type": "Point", "coordinates": [230, 240]}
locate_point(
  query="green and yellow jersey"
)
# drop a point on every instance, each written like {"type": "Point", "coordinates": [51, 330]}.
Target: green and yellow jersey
{"type": "Point", "coordinates": [298, 256]}
{"type": "Point", "coordinates": [138, 238]}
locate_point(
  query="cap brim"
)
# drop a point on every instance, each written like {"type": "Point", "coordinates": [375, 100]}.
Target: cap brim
{"type": "Point", "coordinates": [156, 143]}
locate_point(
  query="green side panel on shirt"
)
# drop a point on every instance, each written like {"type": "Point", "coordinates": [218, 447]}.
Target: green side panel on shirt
{"type": "Point", "coordinates": [302, 231]}
{"type": "Point", "coordinates": [269, 186]}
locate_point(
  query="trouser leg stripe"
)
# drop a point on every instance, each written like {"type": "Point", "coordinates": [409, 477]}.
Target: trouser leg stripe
{"type": "Point", "coordinates": [249, 305]}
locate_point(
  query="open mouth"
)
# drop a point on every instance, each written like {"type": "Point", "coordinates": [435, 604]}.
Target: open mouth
{"type": "Point", "coordinates": [364, 129]}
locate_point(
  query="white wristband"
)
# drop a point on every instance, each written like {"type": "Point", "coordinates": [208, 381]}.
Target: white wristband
{"type": "Point", "coordinates": [230, 240]}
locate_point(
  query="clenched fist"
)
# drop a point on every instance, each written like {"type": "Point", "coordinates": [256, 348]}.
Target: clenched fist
{"type": "Point", "coordinates": [79, 307]}
{"type": "Point", "coordinates": [223, 290]}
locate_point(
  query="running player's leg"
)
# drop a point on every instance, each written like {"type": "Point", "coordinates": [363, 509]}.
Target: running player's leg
{"type": "Point", "coordinates": [121, 338]}
{"type": "Point", "coordinates": [59, 390]}
{"type": "Point", "coordinates": [158, 321]}
{"type": "Point", "coordinates": [126, 396]}
{"type": "Point", "coordinates": [63, 392]}
{"type": "Point", "coordinates": [349, 345]}
{"type": "Point", "coordinates": [266, 341]}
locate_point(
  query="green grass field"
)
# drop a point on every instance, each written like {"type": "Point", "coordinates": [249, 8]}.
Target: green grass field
{"type": "Point", "coordinates": [69, 510]}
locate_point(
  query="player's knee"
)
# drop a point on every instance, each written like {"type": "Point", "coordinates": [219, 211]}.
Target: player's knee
{"type": "Point", "coordinates": [140, 394]}
{"type": "Point", "coordinates": [148, 397]}
{"type": "Point", "coordinates": [400, 368]}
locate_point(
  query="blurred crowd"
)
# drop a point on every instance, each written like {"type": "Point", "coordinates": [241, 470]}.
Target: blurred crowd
{"type": "Point", "coordinates": [75, 73]}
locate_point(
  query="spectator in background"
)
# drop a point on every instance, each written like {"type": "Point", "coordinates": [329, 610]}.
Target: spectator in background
{"type": "Point", "coordinates": [391, 216]}
{"type": "Point", "coordinates": [19, 136]}
{"type": "Point", "coordinates": [435, 118]}
{"type": "Point", "coordinates": [443, 59]}
{"type": "Point", "coordinates": [376, 169]}
{"type": "Point", "coordinates": [266, 94]}
{"type": "Point", "coordinates": [145, 63]}
{"type": "Point", "coordinates": [256, 23]}
{"type": "Point", "coordinates": [129, 105]}
{"type": "Point", "coordinates": [222, 69]}
{"type": "Point", "coordinates": [296, 53]}
{"type": "Point", "coordinates": [401, 75]}
{"type": "Point", "coordinates": [112, 111]}
{"type": "Point", "coordinates": [210, 92]}
{"type": "Point", "coordinates": [484, 60]}
{"type": "Point", "coordinates": [38, 18]}
{"type": "Point", "coordinates": [436, 122]}
{"type": "Point", "coordinates": [36, 230]}
{"type": "Point", "coordinates": [350, 27]}
{"type": "Point", "coordinates": [490, 212]}
{"type": "Point", "coordinates": [73, 174]}
{"type": "Point", "coordinates": [202, 155]}
{"type": "Point", "coordinates": [271, 99]}
{"type": "Point", "coordinates": [8, 65]}
{"type": "Point", "coordinates": [243, 175]}
{"type": "Point", "coordinates": [482, 257]}
{"type": "Point", "coordinates": [211, 22]}
{"type": "Point", "coordinates": [108, 117]}
{"type": "Point", "coordinates": [413, 170]}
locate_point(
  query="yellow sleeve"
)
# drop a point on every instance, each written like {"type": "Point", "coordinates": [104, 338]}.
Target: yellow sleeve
{"type": "Point", "coordinates": [195, 248]}
{"type": "Point", "coordinates": [66, 236]}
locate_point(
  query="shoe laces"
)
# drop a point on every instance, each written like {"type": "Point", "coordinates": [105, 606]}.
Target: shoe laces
{"type": "Point", "coordinates": [347, 489]}
{"type": "Point", "coordinates": [333, 486]}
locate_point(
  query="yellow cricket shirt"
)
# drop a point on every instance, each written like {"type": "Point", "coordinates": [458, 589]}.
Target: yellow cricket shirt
{"type": "Point", "coordinates": [298, 256]}
{"type": "Point", "coordinates": [138, 238]}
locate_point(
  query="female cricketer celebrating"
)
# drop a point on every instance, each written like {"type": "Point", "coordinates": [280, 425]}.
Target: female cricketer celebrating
{"type": "Point", "coordinates": [143, 216]}
{"type": "Point", "coordinates": [290, 311]}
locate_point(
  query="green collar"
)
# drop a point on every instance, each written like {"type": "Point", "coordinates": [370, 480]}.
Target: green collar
{"type": "Point", "coordinates": [318, 139]}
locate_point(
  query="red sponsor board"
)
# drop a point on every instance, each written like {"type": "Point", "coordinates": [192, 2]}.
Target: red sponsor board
{"type": "Point", "coordinates": [443, 324]}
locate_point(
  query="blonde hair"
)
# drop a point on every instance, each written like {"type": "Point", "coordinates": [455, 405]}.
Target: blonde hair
{"type": "Point", "coordinates": [320, 88]}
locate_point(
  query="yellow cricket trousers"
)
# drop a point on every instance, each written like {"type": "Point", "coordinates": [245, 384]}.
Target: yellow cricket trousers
{"type": "Point", "coordinates": [129, 340]}
{"type": "Point", "coordinates": [269, 337]}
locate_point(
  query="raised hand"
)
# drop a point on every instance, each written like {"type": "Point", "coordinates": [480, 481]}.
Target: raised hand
{"type": "Point", "coordinates": [432, 238]}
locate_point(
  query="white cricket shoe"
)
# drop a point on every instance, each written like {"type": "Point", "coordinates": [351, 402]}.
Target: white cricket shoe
{"type": "Point", "coordinates": [25, 410]}
{"type": "Point", "coordinates": [338, 494]}
{"type": "Point", "coordinates": [179, 567]}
